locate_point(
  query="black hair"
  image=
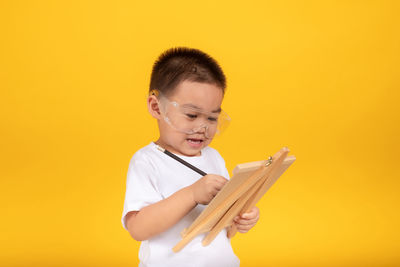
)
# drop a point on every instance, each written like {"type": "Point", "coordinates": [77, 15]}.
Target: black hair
{"type": "Point", "coordinates": [182, 63]}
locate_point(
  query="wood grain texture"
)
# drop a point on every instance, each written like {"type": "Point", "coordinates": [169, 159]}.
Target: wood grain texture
{"type": "Point", "coordinates": [250, 181]}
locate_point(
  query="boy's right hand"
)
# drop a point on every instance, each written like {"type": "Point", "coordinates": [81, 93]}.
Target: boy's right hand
{"type": "Point", "coordinates": [205, 189]}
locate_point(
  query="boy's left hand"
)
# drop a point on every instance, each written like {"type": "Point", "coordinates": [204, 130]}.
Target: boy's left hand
{"type": "Point", "coordinates": [245, 222]}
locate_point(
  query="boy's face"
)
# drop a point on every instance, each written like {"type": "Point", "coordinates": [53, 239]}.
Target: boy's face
{"type": "Point", "coordinates": [203, 96]}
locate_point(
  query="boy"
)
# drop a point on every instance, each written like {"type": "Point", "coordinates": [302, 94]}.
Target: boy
{"type": "Point", "coordinates": [162, 195]}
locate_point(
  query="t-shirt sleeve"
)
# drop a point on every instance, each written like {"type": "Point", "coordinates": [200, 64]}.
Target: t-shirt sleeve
{"type": "Point", "coordinates": [221, 164]}
{"type": "Point", "coordinates": [141, 187]}
{"type": "Point", "coordinates": [225, 172]}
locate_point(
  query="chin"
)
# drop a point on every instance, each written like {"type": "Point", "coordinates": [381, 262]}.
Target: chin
{"type": "Point", "coordinates": [191, 152]}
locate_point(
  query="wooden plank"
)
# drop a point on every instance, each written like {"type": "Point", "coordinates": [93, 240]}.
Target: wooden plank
{"type": "Point", "coordinates": [277, 161]}
{"type": "Point", "coordinates": [213, 212]}
{"type": "Point", "coordinates": [247, 185]}
{"type": "Point", "coordinates": [263, 189]}
{"type": "Point", "coordinates": [226, 197]}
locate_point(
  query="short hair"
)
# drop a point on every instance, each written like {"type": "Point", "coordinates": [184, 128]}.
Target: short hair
{"type": "Point", "coordinates": [180, 64]}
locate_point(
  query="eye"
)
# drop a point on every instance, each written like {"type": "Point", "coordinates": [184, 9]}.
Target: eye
{"type": "Point", "coordinates": [191, 116]}
{"type": "Point", "coordinates": [213, 119]}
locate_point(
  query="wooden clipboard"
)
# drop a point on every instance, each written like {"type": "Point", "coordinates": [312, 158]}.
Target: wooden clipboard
{"type": "Point", "coordinates": [249, 182]}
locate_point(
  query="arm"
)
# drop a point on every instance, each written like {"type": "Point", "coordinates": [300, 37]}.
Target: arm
{"type": "Point", "coordinates": [160, 216]}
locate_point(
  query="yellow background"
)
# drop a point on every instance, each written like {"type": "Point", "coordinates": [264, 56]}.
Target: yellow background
{"type": "Point", "coordinates": [321, 77]}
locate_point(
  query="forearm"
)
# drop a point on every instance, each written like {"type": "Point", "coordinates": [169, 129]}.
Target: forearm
{"type": "Point", "coordinates": [158, 217]}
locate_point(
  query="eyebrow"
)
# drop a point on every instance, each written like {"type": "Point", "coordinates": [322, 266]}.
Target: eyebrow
{"type": "Point", "coordinates": [218, 110]}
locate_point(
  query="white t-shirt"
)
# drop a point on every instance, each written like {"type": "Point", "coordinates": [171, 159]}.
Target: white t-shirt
{"type": "Point", "coordinates": [153, 176]}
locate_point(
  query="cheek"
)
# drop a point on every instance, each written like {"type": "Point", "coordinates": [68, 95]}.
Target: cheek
{"type": "Point", "coordinates": [175, 136]}
{"type": "Point", "coordinates": [208, 141]}
{"type": "Point", "coordinates": [167, 133]}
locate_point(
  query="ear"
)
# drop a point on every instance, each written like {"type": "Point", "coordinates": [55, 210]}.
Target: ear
{"type": "Point", "coordinates": [153, 105]}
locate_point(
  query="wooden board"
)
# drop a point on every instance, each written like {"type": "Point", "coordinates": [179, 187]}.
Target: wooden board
{"type": "Point", "coordinates": [247, 185]}
{"type": "Point", "coordinates": [268, 182]}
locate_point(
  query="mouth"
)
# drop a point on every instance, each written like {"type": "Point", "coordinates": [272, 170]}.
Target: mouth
{"type": "Point", "coordinates": [195, 142]}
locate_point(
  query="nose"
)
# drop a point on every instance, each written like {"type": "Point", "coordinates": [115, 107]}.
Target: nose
{"type": "Point", "coordinates": [201, 129]}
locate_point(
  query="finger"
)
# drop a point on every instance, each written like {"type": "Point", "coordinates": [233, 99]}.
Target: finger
{"type": "Point", "coordinates": [215, 180]}
{"type": "Point", "coordinates": [243, 229]}
{"type": "Point", "coordinates": [221, 180]}
{"type": "Point", "coordinates": [249, 218]}
{"type": "Point", "coordinates": [254, 212]}
{"type": "Point", "coordinates": [218, 185]}
{"type": "Point", "coordinates": [247, 222]}
{"type": "Point", "coordinates": [214, 192]}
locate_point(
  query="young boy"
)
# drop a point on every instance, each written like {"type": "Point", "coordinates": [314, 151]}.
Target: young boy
{"type": "Point", "coordinates": [164, 196]}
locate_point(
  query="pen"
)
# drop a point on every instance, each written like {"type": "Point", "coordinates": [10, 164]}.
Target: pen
{"type": "Point", "coordinates": [187, 164]}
